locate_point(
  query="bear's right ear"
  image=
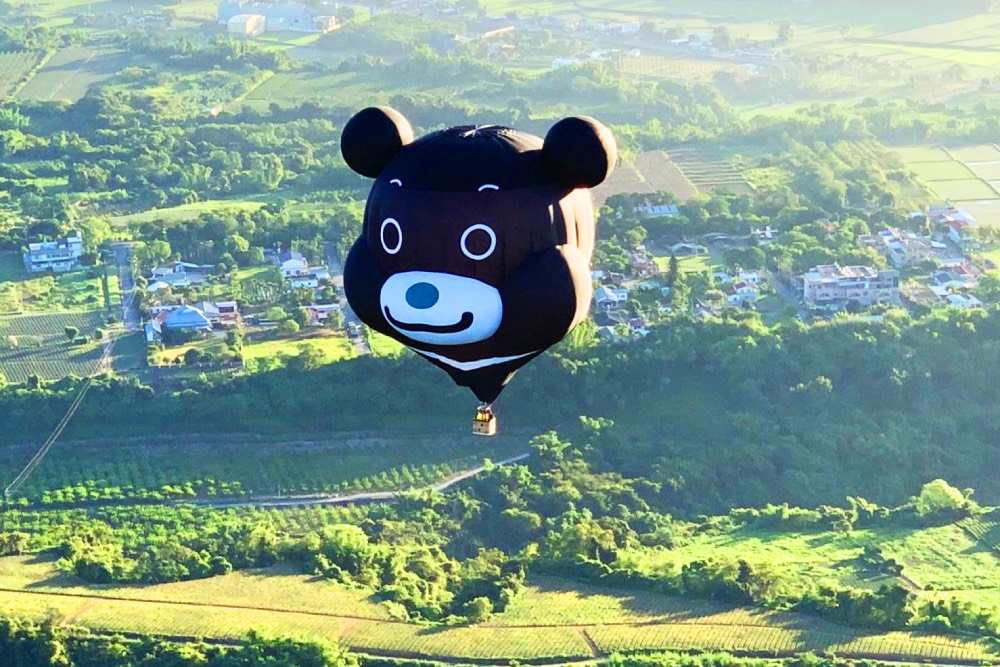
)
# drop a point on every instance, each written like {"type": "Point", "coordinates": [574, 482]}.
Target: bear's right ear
{"type": "Point", "coordinates": [373, 137]}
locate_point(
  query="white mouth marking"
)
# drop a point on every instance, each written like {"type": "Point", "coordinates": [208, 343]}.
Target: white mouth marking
{"type": "Point", "coordinates": [488, 186]}
{"type": "Point", "coordinates": [472, 365]}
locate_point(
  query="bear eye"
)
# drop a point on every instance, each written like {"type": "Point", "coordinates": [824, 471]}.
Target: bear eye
{"type": "Point", "coordinates": [488, 186]}
{"type": "Point", "coordinates": [478, 242]}
{"type": "Point", "coordinates": [391, 235]}
{"type": "Point", "coordinates": [396, 181]}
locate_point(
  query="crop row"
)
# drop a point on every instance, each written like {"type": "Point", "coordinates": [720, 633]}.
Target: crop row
{"type": "Point", "coordinates": [49, 324]}
{"type": "Point", "coordinates": [80, 474]}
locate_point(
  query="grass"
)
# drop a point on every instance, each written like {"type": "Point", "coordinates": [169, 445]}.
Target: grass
{"type": "Point", "coordinates": [185, 211]}
{"type": "Point", "coordinates": [383, 346]}
{"type": "Point", "coordinates": [334, 345]}
{"type": "Point", "coordinates": [228, 606]}
{"type": "Point", "coordinates": [171, 355]}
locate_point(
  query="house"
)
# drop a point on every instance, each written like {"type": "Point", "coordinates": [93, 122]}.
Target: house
{"type": "Point", "coordinates": [752, 277]}
{"type": "Point", "coordinates": [765, 235]}
{"type": "Point", "coordinates": [610, 296]}
{"type": "Point", "coordinates": [832, 285]}
{"type": "Point", "coordinates": [964, 234]}
{"type": "Point", "coordinates": [642, 264]}
{"type": "Point", "coordinates": [246, 25]}
{"type": "Point", "coordinates": [316, 276]}
{"type": "Point", "coordinates": [741, 294]}
{"type": "Point", "coordinates": [187, 318]}
{"type": "Point", "coordinates": [722, 277]}
{"type": "Point", "coordinates": [686, 249]}
{"type": "Point", "coordinates": [319, 313]}
{"type": "Point", "coordinates": [902, 248]}
{"type": "Point", "coordinates": [292, 263]}
{"type": "Point", "coordinates": [57, 256]}
{"type": "Point", "coordinates": [963, 301]}
{"type": "Point", "coordinates": [179, 274]}
{"type": "Point", "coordinates": [947, 279]}
{"type": "Point", "coordinates": [559, 63]}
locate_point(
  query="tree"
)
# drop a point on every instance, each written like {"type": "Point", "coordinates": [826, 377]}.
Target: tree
{"type": "Point", "coordinates": [288, 326]}
{"type": "Point", "coordinates": [939, 496]}
{"type": "Point", "coordinates": [71, 331]}
{"type": "Point", "coordinates": [478, 609]}
{"type": "Point", "coordinates": [673, 270]}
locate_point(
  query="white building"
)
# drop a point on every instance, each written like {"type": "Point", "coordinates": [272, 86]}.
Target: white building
{"type": "Point", "coordinates": [56, 256]}
{"type": "Point", "coordinates": [832, 285]}
{"type": "Point", "coordinates": [246, 25]}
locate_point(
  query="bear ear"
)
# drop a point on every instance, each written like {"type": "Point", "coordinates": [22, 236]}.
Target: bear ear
{"type": "Point", "coordinates": [580, 152]}
{"type": "Point", "coordinates": [373, 137]}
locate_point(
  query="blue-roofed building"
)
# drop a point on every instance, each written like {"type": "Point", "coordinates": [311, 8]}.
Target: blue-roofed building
{"type": "Point", "coordinates": [188, 318]}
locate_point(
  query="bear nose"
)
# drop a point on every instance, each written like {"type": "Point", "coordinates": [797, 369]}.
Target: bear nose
{"type": "Point", "coordinates": [422, 295]}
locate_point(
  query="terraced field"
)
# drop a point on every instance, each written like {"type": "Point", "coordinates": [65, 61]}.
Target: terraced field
{"type": "Point", "coordinates": [583, 622]}
{"type": "Point", "coordinates": [651, 172]}
{"type": "Point", "coordinates": [70, 73]}
{"type": "Point", "coordinates": [708, 171]}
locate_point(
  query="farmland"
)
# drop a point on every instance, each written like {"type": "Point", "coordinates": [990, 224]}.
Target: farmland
{"type": "Point", "coordinates": [154, 468]}
{"type": "Point", "coordinates": [583, 622]}
{"type": "Point", "coordinates": [968, 176]}
{"type": "Point", "coordinates": [709, 170]}
{"type": "Point", "coordinates": [650, 172]}
{"type": "Point", "coordinates": [69, 74]}
{"type": "Point", "coordinates": [37, 345]}
{"type": "Point", "coordinates": [15, 68]}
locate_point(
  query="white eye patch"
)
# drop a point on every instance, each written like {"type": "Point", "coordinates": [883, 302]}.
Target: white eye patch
{"type": "Point", "coordinates": [396, 181]}
{"type": "Point", "coordinates": [488, 186]}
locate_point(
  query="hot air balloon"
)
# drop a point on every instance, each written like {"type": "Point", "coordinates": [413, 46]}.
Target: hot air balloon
{"type": "Point", "coordinates": [476, 244]}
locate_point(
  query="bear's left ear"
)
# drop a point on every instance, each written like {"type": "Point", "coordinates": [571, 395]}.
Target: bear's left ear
{"type": "Point", "coordinates": [579, 152]}
{"type": "Point", "coordinates": [372, 138]}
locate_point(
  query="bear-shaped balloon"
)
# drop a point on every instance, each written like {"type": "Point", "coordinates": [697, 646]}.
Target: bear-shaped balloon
{"type": "Point", "coordinates": [476, 245]}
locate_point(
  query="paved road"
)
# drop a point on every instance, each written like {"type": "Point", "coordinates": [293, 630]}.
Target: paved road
{"type": "Point", "coordinates": [123, 266]}
{"type": "Point", "coordinates": [354, 498]}
{"type": "Point", "coordinates": [350, 318]}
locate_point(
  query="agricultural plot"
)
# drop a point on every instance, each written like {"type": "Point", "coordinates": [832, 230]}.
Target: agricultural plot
{"type": "Point", "coordinates": [967, 176]}
{"type": "Point", "coordinates": [707, 172]}
{"type": "Point", "coordinates": [333, 345]}
{"type": "Point", "coordinates": [69, 74]}
{"type": "Point", "coordinates": [652, 172]}
{"type": "Point", "coordinates": [23, 292]}
{"type": "Point", "coordinates": [582, 627]}
{"type": "Point", "coordinates": [15, 68]}
{"type": "Point", "coordinates": [37, 345]}
{"type": "Point", "coordinates": [157, 469]}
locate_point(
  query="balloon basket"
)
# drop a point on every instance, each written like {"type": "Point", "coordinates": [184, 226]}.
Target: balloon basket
{"type": "Point", "coordinates": [485, 422]}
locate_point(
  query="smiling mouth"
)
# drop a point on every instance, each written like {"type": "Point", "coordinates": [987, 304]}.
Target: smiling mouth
{"type": "Point", "coordinates": [464, 323]}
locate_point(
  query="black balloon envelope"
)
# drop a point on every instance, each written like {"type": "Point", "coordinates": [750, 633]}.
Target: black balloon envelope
{"type": "Point", "coordinates": [476, 246]}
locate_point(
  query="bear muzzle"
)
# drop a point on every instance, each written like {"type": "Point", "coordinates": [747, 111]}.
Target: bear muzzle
{"type": "Point", "coordinates": [441, 308]}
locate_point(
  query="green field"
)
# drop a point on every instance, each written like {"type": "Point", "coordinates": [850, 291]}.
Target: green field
{"type": "Point", "coordinates": [942, 171]}
{"type": "Point", "coordinates": [156, 467]}
{"type": "Point", "coordinates": [960, 190]}
{"type": "Point", "coordinates": [185, 211]}
{"type": "Point", "coordinates": [553, 619]}
{"type": "Point", "coordinates": [965, 175]}
{"type": "Point", "coordinates": [334, 345]}
{"type": "Point", "coordinates": [69, 74]}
